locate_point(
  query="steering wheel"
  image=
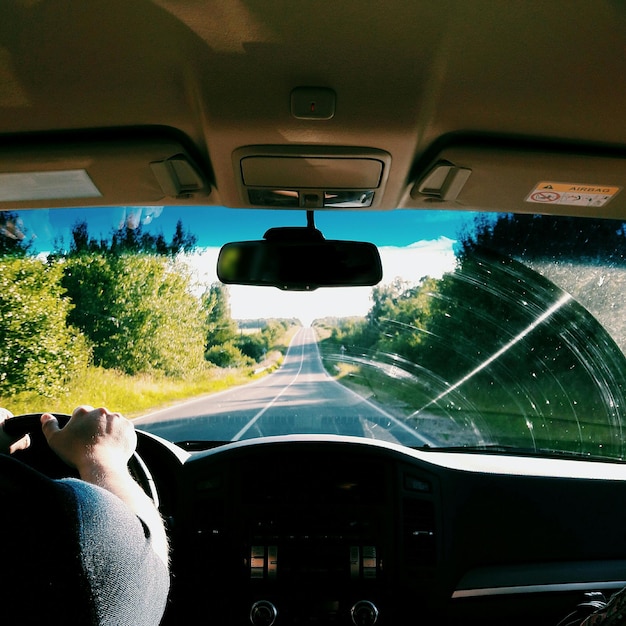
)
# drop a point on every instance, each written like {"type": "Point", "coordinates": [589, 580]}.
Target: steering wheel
{"type": "Point", "coordinates": [41, 457]}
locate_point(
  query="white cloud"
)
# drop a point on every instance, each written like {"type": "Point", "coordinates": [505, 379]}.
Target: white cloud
{"type": "Point", "coordinates": [411, 263]}
{"type": "Point", "coordinates": [422, 258]}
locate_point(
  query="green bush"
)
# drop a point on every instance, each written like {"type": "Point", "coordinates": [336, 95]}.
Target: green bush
{"type": "Point", "coordinates": [227, 355]}
{"type": "Point", "coordinates": [254, 346]}
{"type": "Point", "coordinates": [38, 350]}
{"type": "Point", "coordinates": [138, 311]}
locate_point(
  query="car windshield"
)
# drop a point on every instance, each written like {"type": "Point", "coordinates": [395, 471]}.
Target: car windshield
{"type": "Point", "coordinates": [488, 331]}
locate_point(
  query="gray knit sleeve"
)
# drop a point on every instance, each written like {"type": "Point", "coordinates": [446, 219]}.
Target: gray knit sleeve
{"type": "Point", "coordinates": [128, 581]}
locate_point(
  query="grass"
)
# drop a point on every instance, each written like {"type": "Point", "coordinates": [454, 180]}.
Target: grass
{"type": "Point", "coordinates": [130, 395]}
{"type": "Point", "coordinates": [136, 395]}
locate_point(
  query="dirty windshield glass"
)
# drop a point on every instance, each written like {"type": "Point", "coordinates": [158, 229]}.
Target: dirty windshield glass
{"type": "Point", "coordinates": [486, 331]}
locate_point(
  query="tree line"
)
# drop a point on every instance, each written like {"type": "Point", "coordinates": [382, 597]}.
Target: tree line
{"type": "Point", "coordinates": [126, 302]}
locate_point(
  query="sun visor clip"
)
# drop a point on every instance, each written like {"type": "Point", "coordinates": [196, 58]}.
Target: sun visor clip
{"type": "Point", "coordinates": [177, 177]}
{"type": "Point", "coordinates": [444, 182]}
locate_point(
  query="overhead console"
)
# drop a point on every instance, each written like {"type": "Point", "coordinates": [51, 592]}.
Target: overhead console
{"type": "Point", "coordinates": [480, 174]}
{"type": "Point", "coordinates": [311, 177]}
{"type": "Point", "coordinates": [98, 171]}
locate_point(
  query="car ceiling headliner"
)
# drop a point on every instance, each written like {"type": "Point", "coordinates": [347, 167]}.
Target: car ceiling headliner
{"type": "Point", "coordinates": [407, 73]}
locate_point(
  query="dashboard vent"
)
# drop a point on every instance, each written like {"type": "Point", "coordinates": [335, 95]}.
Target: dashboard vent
{"type": "Point", "coordinates": [419, 534]}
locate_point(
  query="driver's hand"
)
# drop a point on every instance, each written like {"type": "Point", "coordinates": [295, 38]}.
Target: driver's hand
{"type": "Point", "coordinates": [92, 440]}
{"type": "Point", "coordinates": [7, 443]}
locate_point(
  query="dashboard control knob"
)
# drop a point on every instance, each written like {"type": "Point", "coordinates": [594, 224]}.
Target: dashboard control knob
{"type": "Point", "coordinates": [364, 613]}
{"type": "Point", "coordinates": [263, 613]}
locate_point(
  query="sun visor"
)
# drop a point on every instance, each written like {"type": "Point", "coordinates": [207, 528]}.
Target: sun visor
{"type": "Point", "coordinates": [311, 177]}
{"type": "Point", "coordinates": [146, 171]}
{"type": "Point", "coordinates": [526, 180]}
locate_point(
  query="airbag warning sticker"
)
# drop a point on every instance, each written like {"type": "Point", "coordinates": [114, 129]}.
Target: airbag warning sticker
{"type": "Point", "coordinates": [571, 194]}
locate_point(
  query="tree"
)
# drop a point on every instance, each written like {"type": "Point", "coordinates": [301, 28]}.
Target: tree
{"type": "Point", "coordinates": [220, 327]}
{"type": "Point", "coordinates": [182, 241]}
{"type": "Point", "coordinates": [134, 300]}
{"type": "Point", "coordinates": [266, 336]}
{"type": "Point", "coordinates": [13, 239]}
{"type": "Point", "coordinates": [38, 350]}
{"type": "Point", "coordinates": [137, 310]}
{"type": "Point", "coordinates": [127, 240]}
{"type": "Point", "coordinates": [534, 237]}
{"type": "Point", "coordinates": [222, 347]}
{"type": "Point", "coordinates": [253, 346]}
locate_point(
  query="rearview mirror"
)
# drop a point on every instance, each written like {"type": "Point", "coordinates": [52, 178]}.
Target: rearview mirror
{"type": "Point", "coordinates": [299, 259]}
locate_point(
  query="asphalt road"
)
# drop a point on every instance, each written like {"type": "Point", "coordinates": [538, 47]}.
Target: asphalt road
{"type": "Point", "coordinates": [299, 398]}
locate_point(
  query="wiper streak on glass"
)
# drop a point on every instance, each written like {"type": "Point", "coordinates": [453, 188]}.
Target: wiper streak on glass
{"type": "Point", "coordinates": [561, 302]}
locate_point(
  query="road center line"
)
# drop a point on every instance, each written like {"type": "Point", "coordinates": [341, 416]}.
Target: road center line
{"type": "Point", "coordinates": [271, 403]}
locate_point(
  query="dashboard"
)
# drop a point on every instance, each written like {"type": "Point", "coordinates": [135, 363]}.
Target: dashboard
{"type": "Point", "coordinates": [338, 530]}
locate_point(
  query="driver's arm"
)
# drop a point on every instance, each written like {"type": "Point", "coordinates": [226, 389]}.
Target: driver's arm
{"type": "Point", "coordinates": [110, 531]}
{"type": "Point", "coordinates": [99, 443]}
